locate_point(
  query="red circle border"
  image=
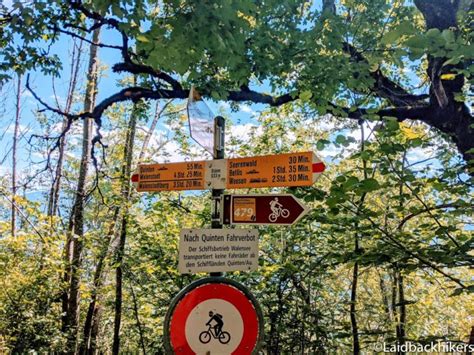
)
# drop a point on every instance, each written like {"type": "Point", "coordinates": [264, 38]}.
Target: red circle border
{"type": "Point", "coordinates": [208, 291]}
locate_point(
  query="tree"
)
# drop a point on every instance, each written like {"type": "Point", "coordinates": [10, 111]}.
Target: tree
{"type": "Point", "coordinates": [74, 244]}
{"type": "Point", "coordinates": [14, 152]}
{"type": "Point", "coordinates": [55, 187]}
{"type": "Point", "coordinates": [366, 60]}
{"type": "Point", "coordinates": [126, 192]}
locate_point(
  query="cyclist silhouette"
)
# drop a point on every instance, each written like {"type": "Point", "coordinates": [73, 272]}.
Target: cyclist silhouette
{"type": "Point", "coordinates": [277, 210]}
{"type": "Point", "coordinates": [215, 323]}
{"type": "Point", "coordinates": [217, 318]}
{"type": "Point", "coordinates": [275, 206]}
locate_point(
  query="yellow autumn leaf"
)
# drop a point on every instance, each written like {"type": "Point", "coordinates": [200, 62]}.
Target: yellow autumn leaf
{"type": "Point", "coordinates": [250, 19]}
{"type": "Point", "coordinates": [448, 76]}
{"type": "Point", "coordinates": [409, 132]}
{"type": "Point", "coordinates": [374, 67]}
{"type": "Point", "coordinates": [142, 38]}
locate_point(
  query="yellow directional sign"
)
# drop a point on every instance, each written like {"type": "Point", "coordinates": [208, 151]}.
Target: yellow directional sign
{"type": "Point", "coordinates": [290, 169]}
{"type": "Point", "coordinates": [171, 176]}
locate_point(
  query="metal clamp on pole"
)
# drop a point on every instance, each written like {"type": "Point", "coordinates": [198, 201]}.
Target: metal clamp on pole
{"type": "Point", "coordinates": [219, 137]}
{"type": "Point", "coordinates": [216, 211]}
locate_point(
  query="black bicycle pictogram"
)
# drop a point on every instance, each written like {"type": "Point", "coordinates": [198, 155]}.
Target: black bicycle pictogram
{"type": "Point", "coordinates": [214, 331]}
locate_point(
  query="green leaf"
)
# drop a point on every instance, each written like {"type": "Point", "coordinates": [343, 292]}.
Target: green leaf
{"type": "Point", "coordinates": [416, 142]}
{"type": "Point", "coordinates": [321, 144]}
{"type": "Point", "coordinates": [340, 139]}
{"type": "Point", "coordinates": [433, 33]}
{"type": "Point", "coordinates": [365, 155]}
{"type": "Point", "coordinates": [392, 124]}
{"type": "Point", "coordinates": [453, 61]}
{"type": "Point", "coordinates": [306, 95]}
{"type": "Point", "coordinates": [368, 185]}
{"type": "Point", "coordinates": [350, 183]}
{"type": "Point", "coordinates": [448, 36]}
{"type": "Point", "coordinates": [391, 36]}
{"type": "Point", "coordinates": [416, 42]}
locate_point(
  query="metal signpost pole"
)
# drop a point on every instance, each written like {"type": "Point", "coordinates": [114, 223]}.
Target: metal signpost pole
{"type": "Point", "coordinates": [218, 194]}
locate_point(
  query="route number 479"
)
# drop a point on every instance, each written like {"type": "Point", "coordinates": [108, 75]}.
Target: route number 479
{"type": "Point", "coordinates": [244, 212]}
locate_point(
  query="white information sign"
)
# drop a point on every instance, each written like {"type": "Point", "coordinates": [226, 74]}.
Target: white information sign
{"type": "Point", "coordinates": [216, 173]}
{"type": "Point", "coordinates": [217, 250]}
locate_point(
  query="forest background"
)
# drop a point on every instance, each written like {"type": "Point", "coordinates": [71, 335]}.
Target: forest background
{"type": "Point", "coordinates": [381, 90]}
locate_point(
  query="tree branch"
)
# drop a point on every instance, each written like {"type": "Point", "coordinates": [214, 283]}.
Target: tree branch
{"type": "Point", "coordinates": [100, 20]}
{"type": "Point", "coordinates": [75, 35]}
{"type": "Point", "coordinates": [134, 68]}
{"type": "Point", "coordinates": [428, 209]}
{"type": "Point", "coordinates": [438, 14]}
{"type": "Point", "coordinates": [383, 86]}
{"type": "Point", "coordinates": [401, 113]}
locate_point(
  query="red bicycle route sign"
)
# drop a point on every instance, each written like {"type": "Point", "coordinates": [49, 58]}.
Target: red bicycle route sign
{"type": "Point", "coordinates": [275, 209]}
{"type": "Point", "coordinates": [213, 315]}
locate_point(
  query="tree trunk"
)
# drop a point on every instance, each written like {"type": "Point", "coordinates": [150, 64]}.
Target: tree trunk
{"type": "Point", "coordinates": [355, 271]}
{"type": "Point", "coordinates": [55, 187]}
{"type": "Point", "coordinates": [275, 318]}
{"type": "Point", "coordinates": [471, 341]}
{"type": "Point", "coordinates": [76, 226]}
{"type": "Point", "coordinates": [400, 328]}
{"type": "Point", "coordinates": [355, 329]}
{"type": "Point", "coordinates": [119, 288]}
{"type": "Point", "coordinates": [402, 311]}
{"type": "Point", "coordinates": [95, 329]}
{"type": "Point", "coordinates": [88, 342]}
{"type": "Point", "coordinates": [126, 189]}
{"type": "Point", "coordinates": [14, 152]}
{"type": "Point", "coordinates": [445, 113]}
{"type": "Point", "coordinates": [383, 292]}
{"type": "Point", "coordinates": [137, 318]}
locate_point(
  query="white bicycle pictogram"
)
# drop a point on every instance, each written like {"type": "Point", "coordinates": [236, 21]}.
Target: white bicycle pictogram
{"type": "Point", "coordinates": [277, 210]}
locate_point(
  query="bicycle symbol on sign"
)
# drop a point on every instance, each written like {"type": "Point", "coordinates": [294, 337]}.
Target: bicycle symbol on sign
{"type": "Point", "coordinates": [214, 331]}
{"type": "Point", "coordinates": [277, 210]}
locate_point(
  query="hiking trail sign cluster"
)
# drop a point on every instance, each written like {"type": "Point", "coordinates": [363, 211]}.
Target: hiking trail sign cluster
{"type": "Point", "coordinates": [222, 250]}
{"type": "Point", "coordinates": [281, 170]}
{"type": "Point", "coordinates": [215, 315]}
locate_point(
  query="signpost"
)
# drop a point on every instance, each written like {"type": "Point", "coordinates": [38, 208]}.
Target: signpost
{"type": "Point", "coordinates": [280, 170]}
{"type": "Point", "coordinates": [216, 315]}
{"type": "Point", "coordinates": [213, 316]}
{"type": "Point", "coordinates": [273, 209]}
{"type": "Point", "coordinates": [217, 250]}
{"type": "Point", "coordinates": [218, 191]}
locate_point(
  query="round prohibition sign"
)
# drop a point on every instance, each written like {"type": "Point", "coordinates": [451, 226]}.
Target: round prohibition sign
{"type": "Point", "coordinates": [215, 315]}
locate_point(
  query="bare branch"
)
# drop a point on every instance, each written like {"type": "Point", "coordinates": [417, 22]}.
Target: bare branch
{"type": "Point", "coordinates": [75, 35]}
{"type": "Point", "coordinates": [134, 68]}
{"type": "Point", "coordinates": [23, 215]}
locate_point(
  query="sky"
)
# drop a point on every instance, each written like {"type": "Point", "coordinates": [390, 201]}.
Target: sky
{"type": "Point", "coordinates": [243, 119]}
